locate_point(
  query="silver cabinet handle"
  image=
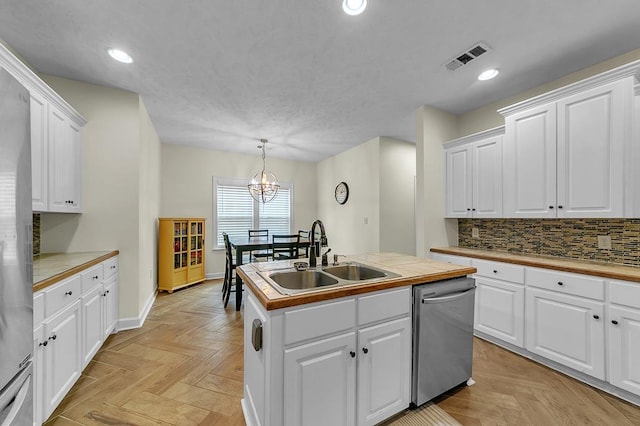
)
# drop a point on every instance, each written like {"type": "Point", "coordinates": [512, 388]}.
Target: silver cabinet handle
{"type": "Point", "coordinates": [428, 300]}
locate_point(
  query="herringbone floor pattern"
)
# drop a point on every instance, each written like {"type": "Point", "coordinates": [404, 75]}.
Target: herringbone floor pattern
{"type": "Point", "coordinates": [184, 367]}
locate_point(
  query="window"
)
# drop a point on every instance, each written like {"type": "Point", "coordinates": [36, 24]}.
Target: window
{"type": "Point", "coordinates": [235, 211]}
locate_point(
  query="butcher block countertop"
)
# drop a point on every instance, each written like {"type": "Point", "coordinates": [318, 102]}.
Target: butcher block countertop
{"type": "Point", "coordinates": [600, 269]}
{"type": "Point", "coordinates": [50, 268]}
{"type": "Point", "coordinates": [412, 270]}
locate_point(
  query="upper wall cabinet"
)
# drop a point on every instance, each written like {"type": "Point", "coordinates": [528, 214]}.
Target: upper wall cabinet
{"type": "Point", "coordinates": [56, 145]}
{"type": "Point", "coordinates": [566, 153]}
{"type": "Point", "coordinates": [474, 175]}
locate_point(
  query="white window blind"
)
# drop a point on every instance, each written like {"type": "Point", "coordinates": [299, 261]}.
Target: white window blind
{"type": "Point", "coordinates": [236, 212]}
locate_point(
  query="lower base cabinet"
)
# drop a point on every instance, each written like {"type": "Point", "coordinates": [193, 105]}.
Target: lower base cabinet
{"type": "Point", "coordinates": [499, 310]}
{"type": "Point", "coordinates": [623, 322]}
{"type": "Point", "coordinates": [321, 365]}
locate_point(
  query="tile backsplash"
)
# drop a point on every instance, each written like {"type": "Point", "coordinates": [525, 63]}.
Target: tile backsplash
{"type": "Point", "coordinates": [36, 234]}
{"type": "Point", "coordinates": [572, 238]}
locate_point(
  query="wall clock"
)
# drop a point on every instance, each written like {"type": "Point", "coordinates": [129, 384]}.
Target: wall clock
{"type": "Point", "coordinates": [342, 192]}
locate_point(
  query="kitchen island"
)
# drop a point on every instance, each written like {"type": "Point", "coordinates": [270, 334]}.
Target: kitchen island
{"type": "Point", "coordinates": [340, 355]}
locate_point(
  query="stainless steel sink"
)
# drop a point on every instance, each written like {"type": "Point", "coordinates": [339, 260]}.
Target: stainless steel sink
{"type": "Point", "coordinates": [300, 280]}
{"type": "Point", "coordinates": [290, 281]}
{"type": "Point", "coordinates": [355, 272]}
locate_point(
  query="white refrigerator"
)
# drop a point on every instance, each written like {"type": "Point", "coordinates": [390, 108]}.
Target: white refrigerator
{"type": "Point", "coordinates": [16, 265]}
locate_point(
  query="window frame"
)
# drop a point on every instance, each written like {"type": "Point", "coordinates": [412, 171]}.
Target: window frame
{"type": "Point", "coordinates": [243, 182]}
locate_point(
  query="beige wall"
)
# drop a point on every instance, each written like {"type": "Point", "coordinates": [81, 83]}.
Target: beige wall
{"type": "Point", "coordinates": [434, 127]}
{"type": "Point", "coordinates": [397, 194]}
{"type": "Point", "coordinates": [111, 144]}
{"type": "Point", "coordinates": [486, 117]}
{"type": "Point", "coordinates": [187, 187]}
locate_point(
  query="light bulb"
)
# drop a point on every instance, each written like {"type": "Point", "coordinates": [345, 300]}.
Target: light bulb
{"type": "Point", "coordinates": [354, 7]}
{"type": "Point", "coordinates": [488, 74]}
{"type": "Point", "coordinates": [120, 56]}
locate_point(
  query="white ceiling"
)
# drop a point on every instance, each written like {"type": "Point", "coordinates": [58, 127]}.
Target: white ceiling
{"type": "Point", "coordinates": [301, 73]}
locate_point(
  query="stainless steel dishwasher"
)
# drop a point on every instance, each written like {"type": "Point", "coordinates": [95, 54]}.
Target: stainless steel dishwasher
{"type": "Point", "coordinates": [442, 337]}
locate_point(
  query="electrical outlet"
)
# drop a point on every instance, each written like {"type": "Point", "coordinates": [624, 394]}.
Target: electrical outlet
{"type": "Point", "coordinates": [475, 233]}
{"type": "Point", "coordinates": [604, 242]}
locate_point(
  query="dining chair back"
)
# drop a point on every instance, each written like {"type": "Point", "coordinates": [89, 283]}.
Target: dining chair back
{"type": "Point", "coordinates": [303, 251]}
{"type": "Point", "coordinates": [261, 255]}
{"type": "Point", "coordinates": [229, 269]}
{"type": "Point", "coordinates": [285, 246]}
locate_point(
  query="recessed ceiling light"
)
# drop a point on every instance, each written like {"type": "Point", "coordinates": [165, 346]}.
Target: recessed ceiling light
{"type": "Point", "coordinates": [354, 7]}
{"type": "Point", "coordinates": [120, 56]}
{"type": "Point", "coordinates": [488, 74]}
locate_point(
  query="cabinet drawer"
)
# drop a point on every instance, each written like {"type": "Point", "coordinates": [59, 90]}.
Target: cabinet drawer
{"type": "Point", "coordinates": [61, 295]}
{"type": "Point", "coordinates": [110, 267]}
{"type": "Point", "coordinates": [385, 305]}
{"type": "Point", "coordinates": [624, 293]}
{"type": "Point", "coordinates": [563, 282]}
{"type": "Point", "coordinates": [91, 277]}
{"type": "Point", "coordinates": [499, 270]}
{"type": "Point", "coordinates": [38, 308]}
{"type": "Point", "coordinates": [319, 320]}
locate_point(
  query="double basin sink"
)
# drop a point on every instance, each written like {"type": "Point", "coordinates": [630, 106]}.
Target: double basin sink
{"type": "Point", "coordinates": [294, 281]}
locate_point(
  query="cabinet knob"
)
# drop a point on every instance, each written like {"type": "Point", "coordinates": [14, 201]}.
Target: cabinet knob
{"type": "Point", "coordinates": [473, 210]}
{"type": "Point", "coordinates": [495, 271]}
{"type": "Point", "coordinates": [559, 207]}
{"type": "Point", "coordinates": [53, 337]}
{"type": "Point", "coordinates": [353, 354]}
{"type": "Point", "coordinates": [468, 210]}
{"type": "Point", "coordinates": [596, 317]}
{"type": "Point", "coordinates": [614, 322]}
{"type": "Point", "coordinates": [560, 283]}
{"type": "Point", "coordinates": [95, 277]}
{"type": "Point", "coordinates": [365, 350]}
{"type": "Point", "coordinates": [68, 293]}
{"type": "Point", "coordinates": [550, 207]}
{"type": "Point", "coordinates": [45, 343]}
{"type": "Point", "coordinates": [107, 291]}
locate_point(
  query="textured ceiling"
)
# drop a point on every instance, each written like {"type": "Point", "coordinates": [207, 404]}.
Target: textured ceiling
{"type": "Point", "coordinates": [301, 73]}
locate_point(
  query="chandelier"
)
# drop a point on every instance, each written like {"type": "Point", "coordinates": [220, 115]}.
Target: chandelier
{"type": "Point", "coordinates": [263, 185]}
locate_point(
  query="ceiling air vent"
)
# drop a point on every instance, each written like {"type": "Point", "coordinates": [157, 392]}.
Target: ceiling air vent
{"type": "Point", "coordinates": [467, 56]}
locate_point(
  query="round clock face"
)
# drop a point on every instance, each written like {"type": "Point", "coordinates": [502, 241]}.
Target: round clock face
{"type": "Point", "coordinates": [342, 193]}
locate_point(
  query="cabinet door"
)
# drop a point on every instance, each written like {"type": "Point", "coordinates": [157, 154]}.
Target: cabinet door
{"type": "Point", "coordinates": [530, 163]}
{"type": "Point", "coordinates": [62, 356]}
{"type": "Point", "coordinates": [39, 158]}
{"type": "Point", "coordinates": [64, 163]}
{"type": "Point", "coordinates": [92, 324]}
{"type": "Point", "coordinates": [195, 270]}
{"type": "Point", "coordinates": [592, 127]}
{"type": "Point", "coordinates": [566, 329]}
{"type": "Point", "coordinates": [458, 182]}
{"type": "Point", "coordinates": [110, 305]}
{"type": "Point", "coordinates": [624, 348]}
{"type": "Point", "coordinates": [39, 345]}
{"type": "Point", "coordinates": [384, 370]}
{"type": "Point", "coordinates": [499, 310]}
{"type": "Point", "coordinates": [319, 382]}
{"type": "Point", "coordinates": [487, 178]}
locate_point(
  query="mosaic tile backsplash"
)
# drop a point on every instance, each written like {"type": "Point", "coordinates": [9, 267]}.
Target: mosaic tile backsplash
{"type": "Point", "coordinates": [36, 234]}
{"type": "Point", "coordinates": [572, 238]}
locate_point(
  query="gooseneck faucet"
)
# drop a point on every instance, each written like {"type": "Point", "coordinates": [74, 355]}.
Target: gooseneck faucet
{"type": "Point", "coordinates": [314, 246]}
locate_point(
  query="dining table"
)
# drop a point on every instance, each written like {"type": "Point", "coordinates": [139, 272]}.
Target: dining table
{"type": "Point", "coordinates": [246, 244]}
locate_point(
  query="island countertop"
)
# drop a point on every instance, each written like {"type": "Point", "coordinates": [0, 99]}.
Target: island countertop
{"type": "Point", "coordinates": [412, 270]}
{"type": "Point", "coordinates": [50, 268]}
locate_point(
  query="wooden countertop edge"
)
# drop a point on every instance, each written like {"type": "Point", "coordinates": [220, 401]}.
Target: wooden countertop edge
{"type": "Point", "coordinates": [557, 264]}
{"type": "Point", "coordinates": [40, 285]}
{"type": "Point", "coordinates": [350, 290]}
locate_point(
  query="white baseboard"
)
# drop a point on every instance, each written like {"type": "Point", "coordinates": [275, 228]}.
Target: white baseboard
{"type": "Point", "coordinates": [215, 275]}
{"type": "Point", "coordinates": [131, 323]}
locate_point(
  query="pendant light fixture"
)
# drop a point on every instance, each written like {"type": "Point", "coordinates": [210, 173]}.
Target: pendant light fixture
{"type": "Point", "coordinates": [264, 185]}
{"type": "Point", "coordinates": [354, 7]}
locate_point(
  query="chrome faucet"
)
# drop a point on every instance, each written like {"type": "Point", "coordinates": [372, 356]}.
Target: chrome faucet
{"type": "Point", "coordinates": [314, 246]}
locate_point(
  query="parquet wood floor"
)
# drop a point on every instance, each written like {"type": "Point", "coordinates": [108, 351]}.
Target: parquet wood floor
{"type": "Point", "coordinates": [184, 367]}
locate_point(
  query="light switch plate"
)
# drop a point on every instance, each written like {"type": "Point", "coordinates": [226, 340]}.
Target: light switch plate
{"type": "Point", "coordinates": [604, 242]}
{"type": "Point", "coordinates": [475, 233]}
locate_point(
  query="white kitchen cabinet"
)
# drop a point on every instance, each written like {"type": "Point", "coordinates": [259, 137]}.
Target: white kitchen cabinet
{"type": "Point", "coordinates": [55, 142]}
{"type": "Point", "coordinates": [566, 157]}
{"type": "Point", "coordinates": [92, 324]}
{"type": "Point", "coordinates": [38, 358]}
{"type": "Point", "coordinates": [384, 370]}
{"type": "Point", "coordinates": [65, 172]}
{"type": "Point", "coordinates": [110, 306]}
{"type": "Point", "coordinates": [566, 329]}
{"type": "Point", "coordinates": [62, 355]}
{"type": "Point", "coordinates": [474, 175]}
{"type": "Point", "coordinates": [624, 335]}
{"type": "Point", "coordinates": [319, 382]}
{"type": "Point", "coordinates": [499, 304]}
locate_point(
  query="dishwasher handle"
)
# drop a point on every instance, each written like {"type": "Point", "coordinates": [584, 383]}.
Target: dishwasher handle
{"type": "Point", "coordinates": [455, 296]}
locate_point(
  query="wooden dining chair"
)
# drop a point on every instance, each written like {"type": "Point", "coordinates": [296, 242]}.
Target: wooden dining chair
{"type": "Point", "coordinates": [285, 246]}
{"type": "Point", "coordinates": [229, 271]}
{"type": "Point", "coordinates": [261, 255]}
{"type": "Point", "coordinates": [304, 251]}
